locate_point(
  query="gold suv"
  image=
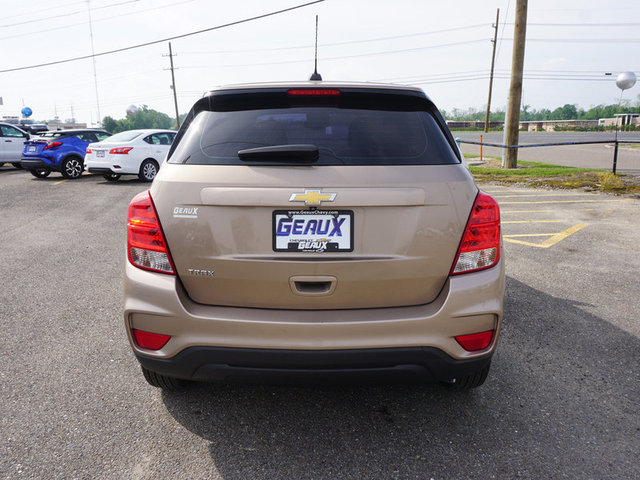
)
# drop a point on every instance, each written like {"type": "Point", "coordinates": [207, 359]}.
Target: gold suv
{"type": "Point", "coordinates": [314, 230]}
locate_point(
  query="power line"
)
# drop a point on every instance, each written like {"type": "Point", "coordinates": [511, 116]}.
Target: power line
{"type": "Point", "coordinates": [581, 24]}
{"type": "Point", "coordinates": [50, 17]}
{"type": "Point", "coordinates": [154, 42]}
{"type": "Point", "coordinates": [504, 25]}
{"type": "Point", "coordinates": [128, 14]}
{"type": "Point", "coordinates": [583, 40]}
{"type": "Point", "coordinates": [40, 10]}
{"type": "Point", "coordinates": [352, 42]}
{"type": "Point", "coordinates": [31, 21]}
{"type": "Point", "coordinates": [342, 57]}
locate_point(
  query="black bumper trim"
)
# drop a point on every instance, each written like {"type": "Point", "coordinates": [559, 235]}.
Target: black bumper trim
{"type": "Point", "coordinates": [28, 163]}
{"type": "Point", "coordinates": [423, 364]}
{"type": "Point", "coordinates": [102, 171]}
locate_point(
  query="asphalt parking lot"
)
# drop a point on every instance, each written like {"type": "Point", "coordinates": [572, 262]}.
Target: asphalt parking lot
{"type": "Point", "coordinates": [561, 401]}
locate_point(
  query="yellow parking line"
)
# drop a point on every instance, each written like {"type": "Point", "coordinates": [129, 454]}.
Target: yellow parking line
{"type": "Point", "coordinates": [563, 201]}
{"type": "Point", "coordinates": [544, 211]}
{"type": "Point", "coordinates": [61, 181]}
{"type": "Point", "coordinates": [552, 240]}
{"type": "Point", "coordinates": [529, 235]}
{"type": "Point", "coordinates": [532, 221]}
{"type": "Point", "coordinates": [546, 195]}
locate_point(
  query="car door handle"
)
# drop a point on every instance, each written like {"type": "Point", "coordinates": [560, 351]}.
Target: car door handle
{"type": "Point", "coordinates": [8, 141]}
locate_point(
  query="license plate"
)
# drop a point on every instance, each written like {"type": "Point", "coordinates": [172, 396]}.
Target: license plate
{"type": "Point", "coordinates": [31, 149]}
{"type": "Point", "coordinates": [99, 153]}
{"type": "Point", "coordinates": [315, 231]}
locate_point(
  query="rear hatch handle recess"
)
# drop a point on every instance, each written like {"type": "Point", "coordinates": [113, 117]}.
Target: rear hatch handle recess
{"type": "Point", "coordinates": [301, 153]}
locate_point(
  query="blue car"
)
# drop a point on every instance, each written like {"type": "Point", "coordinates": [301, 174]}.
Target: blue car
{"type": "Point", "coordinates": [60, 151]}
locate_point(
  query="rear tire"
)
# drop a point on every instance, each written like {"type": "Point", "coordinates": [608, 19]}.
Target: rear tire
{"type": "Point", "coordinates": [111, 177]}
{"type": "Point", "coordinates": [72, 167]}
{"type": "Point", "coordinates": [148, 170]}
{"type": "Point", "coordinates": [39, 172]}
{"type": "Point", "coordinates": [157, 380]}
{"type": "Point", "coordinates": [473, 380]}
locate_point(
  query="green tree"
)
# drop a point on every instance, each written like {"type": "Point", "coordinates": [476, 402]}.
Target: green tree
{"type": "Point", "coordinates": [109, 124]}
{"type": "Point", "coordinates": [144, 117]}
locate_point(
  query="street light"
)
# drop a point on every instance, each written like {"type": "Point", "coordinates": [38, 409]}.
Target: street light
{"type": "Point", "coordinates": [624, 81]}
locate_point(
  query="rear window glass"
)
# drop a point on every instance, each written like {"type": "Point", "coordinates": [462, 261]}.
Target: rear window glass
{"type": "Point", "coordinates": [54, 134]}
{"type": "Point", "coordinates": [343, 136]}
{"type": "Point", "coordinates": [124, 136]}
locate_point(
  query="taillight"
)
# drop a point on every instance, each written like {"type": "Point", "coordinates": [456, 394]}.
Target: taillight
{"type": "Point", "coordinates": [146, 246]}
{"type": "Point", "coordinates": [52, 145]}
{"type": "Point", "coordinates": [121, 150]}
{"type": "Point", "coordinates": [88, 150]}
{"type": "Point", "coordinates": [150, 340]}
{"type": "Point", "coordinates": [475, 341]}
{"type": "Point", "coordinates": [480, 246]}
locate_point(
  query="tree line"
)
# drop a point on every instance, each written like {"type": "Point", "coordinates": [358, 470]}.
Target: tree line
{"type": "Point", "coordinates": [566, 112]}
{"type": "Point", "coordinates": [142, 118]}
{"type": "Point", "coordinates": [146, 117]}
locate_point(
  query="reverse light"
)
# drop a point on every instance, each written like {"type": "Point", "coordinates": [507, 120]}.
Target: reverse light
{"type": "Point", "coordinates": [146, 245]}
{"type": "Point", "coordinates": [52, 145]}
{"type": "Point", "coordinates": [150, 340]}
{"type": "Point", "coordinates": [480, 245]}
{"type": "Point", "coordinates": [475, 341]}
{"type": "Point", "coordinates": [121, 150]}
{"type": "Point", "coordinates": [314, 92]}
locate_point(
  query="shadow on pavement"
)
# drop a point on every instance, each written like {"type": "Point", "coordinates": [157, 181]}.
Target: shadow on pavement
{"type": "Point", "coordinates": [561, 401]}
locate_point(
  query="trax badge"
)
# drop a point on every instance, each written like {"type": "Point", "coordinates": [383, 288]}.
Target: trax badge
{"type": "Point", "coordinates": [312, 198]}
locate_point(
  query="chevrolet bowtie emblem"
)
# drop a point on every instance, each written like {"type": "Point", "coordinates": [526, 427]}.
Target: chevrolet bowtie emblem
{"type": "Point", "coordinates": [312, 198]}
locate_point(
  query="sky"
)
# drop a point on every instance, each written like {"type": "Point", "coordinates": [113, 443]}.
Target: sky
{"type": "Point", "coordinates": [442, 47]}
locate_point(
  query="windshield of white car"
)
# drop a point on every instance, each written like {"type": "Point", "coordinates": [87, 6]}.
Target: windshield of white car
{"type": "Point", "coordinates": [124, 136]}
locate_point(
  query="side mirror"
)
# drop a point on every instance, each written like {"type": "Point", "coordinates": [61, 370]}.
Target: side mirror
{"type": "Point", "coordinates": [26, 136]}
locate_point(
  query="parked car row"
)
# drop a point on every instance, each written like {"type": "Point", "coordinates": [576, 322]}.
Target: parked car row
{"type": "Point", "coordinates": [11, 144]}
{"type": "Point", "coordinates": [70, 152]}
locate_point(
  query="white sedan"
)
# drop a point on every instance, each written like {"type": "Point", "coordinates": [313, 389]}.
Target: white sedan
{"type": "Point", "coordinates": [134, 152]}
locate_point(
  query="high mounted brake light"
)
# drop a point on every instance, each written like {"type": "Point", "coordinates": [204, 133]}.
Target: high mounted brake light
{"type": "Point", "coordinates": [146, 245]}
{"type": "Point", "coordinates": [314, 92]}
{"type": "Point", "coordinates": [480, 245]}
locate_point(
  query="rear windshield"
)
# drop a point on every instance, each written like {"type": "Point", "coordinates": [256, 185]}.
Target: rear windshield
{"type": "Point", "coordinates": [124, 136]}
{"type": "Point", "coordinates": [54, 134]}
{"type": "Point", "coordinates": [344, 136]}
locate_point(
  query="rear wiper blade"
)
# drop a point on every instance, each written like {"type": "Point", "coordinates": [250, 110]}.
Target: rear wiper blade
{"type": "Point", "coordinates": [301, 153]}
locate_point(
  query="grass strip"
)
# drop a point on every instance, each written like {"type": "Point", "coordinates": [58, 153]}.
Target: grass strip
{"type": "Point", "coordinates": [543, 175]}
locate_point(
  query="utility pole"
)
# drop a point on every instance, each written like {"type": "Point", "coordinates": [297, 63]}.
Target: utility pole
{"type": "Point", "coordinates": [173, 87]}
{"type": "Point", "coordinates": [93, 57]}
{"type": "Point", "coordinates": [515, 90]}
{"type": "Point", "coordinates": [493, 60]}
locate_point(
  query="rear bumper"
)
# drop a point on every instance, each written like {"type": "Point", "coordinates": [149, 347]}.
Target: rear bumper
{"type": "Point", "coordinates": [100, 170]}
{"type": "Point", "coordinates": [420, 364]}
{"type": "Point", "coordinates": [214, 342]}
{"type": "Point", "coordinates": [30, 163]}
{"type": "Point", "coordinates": [121, 166]}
